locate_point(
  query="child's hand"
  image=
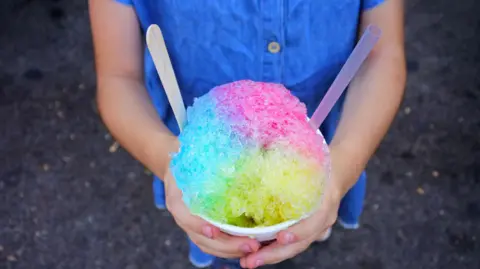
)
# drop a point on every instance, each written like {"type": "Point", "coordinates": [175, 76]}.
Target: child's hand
{"type": "Point", "coordinates": [207, 237]}
{"type": "Point", "coordinates": [299, 237]}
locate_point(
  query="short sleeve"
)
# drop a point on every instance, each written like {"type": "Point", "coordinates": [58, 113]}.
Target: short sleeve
{"type": "Point", "coordinates": [367, 4]}
{"type": "Point", "coordinates": [125, 2]}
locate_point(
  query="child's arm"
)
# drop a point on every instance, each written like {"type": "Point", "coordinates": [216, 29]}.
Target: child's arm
{"type": "Point", "coordinates": [374, 95]}
{"type": "Point", "coordinates": [372, 101]}
{"type": "Point", "coordinates": [130, 116]}
{"type": "Point", "coordinates": [122, 99]}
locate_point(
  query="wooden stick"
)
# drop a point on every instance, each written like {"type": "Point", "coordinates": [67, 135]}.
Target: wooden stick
{"type": "Point", "coordinates": [158, 50]}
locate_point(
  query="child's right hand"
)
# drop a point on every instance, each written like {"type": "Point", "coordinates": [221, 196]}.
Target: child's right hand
{"type": "Point", "coordinates": [206, 236]}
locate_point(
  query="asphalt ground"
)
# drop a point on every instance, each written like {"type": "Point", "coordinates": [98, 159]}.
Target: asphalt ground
{"type": "Point", "coordinates": [68, 199]}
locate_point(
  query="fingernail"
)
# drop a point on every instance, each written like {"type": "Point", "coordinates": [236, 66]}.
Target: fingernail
{"type": "Point", "coordinates": [207, 231]}
{"type": "Point", "coordinates": [258, 263]}
{"type": "Point", "coordinates": [246, 249]}
{"type": "Point", "coordinates": [289, 237]}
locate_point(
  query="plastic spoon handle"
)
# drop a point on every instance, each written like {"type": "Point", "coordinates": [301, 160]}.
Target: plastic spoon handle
{"type": "Point", "coordinates": [161, 59]}
{"type": "Point", "coordinates": [346, 74]}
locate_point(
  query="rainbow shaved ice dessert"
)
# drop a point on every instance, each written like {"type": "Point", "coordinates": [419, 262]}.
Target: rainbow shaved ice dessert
{"type": "Point", "coordinates": [248, 156]}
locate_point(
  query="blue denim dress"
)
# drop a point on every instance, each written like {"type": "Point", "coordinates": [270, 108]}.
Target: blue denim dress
{"type": "Point", "coordinates": [299, 43]}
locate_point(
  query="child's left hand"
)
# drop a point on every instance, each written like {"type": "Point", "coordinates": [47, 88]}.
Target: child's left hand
{"type": "Point", "coordinates": [299, 237]}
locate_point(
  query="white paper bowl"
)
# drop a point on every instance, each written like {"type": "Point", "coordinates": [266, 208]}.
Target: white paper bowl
{"type": "Point", "coordinates": [261, 234]}
{"type": "Point", "coordinates": [268, 233]}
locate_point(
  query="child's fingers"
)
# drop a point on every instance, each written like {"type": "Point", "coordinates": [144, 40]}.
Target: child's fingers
{"type": "Point", "coordinates": [193, 225]}
{"type": "Point", "coordinates": [207, 248]}
{"type": "Point", "coordinates": [301, 231]}
{"type": "Point", "coordinates": [190, 222]}
{"type": "Point", "coordinates": [312, 226]}
{"type": "Point", "coordinates": [244, 244]}
{"type": "Point", "coordinates": [182, 215]}
{"type": "Point", "coordinates": [207, 235]}
{"type": "Point", "coordinates": [226, 246]}
{"type": "Point", "coordinates": [273, 254]}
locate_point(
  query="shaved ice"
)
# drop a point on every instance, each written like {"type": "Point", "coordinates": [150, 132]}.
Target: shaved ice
{"type": "Point", "coordinates": [248, 156]}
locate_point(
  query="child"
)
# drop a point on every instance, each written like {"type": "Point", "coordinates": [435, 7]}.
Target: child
{"type": "Point", "coordinates": [299, 43]}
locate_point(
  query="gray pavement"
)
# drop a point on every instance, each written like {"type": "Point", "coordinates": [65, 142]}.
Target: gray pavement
{"type": "Point", "coordinates": [70, 200]}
